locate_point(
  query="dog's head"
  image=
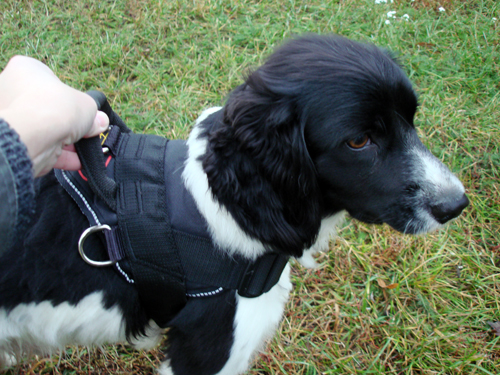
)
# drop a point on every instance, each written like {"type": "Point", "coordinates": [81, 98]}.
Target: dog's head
{"type": "Point", "coordinates": [326, 125]}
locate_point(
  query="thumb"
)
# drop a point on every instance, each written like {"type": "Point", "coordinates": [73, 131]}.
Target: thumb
{"type": "Point", "coordinates": [101, 124]}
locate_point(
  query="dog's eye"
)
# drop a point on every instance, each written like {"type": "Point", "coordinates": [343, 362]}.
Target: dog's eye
{"type": "Point", "coordinates": [359, 142]}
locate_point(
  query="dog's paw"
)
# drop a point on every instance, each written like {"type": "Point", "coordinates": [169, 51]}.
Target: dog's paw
{"type": "Point", "coordinates": [165, 369]}
{"type": "Point", "coordinates": [151, 339]}
{"type": "Point", "coordinates": [307, 260]}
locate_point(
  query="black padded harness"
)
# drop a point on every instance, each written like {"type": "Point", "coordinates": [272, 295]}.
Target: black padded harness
{"type": "Point", "coordinates": [155, 236]}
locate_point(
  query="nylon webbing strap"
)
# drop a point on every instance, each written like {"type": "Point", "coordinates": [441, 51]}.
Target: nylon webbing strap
{"type": "Point", "coordinates": [92, 159]}
{"type": "Point", "coordinates": [144, 225]}
{"type": "Point", "coordinates": [104, 106]}
{"type": "Point", "coordinates": [91, 156]}
{"type": "Point", "coordinates": [207, 265]}
{"type": "Point", "coordinates": [262, 275]}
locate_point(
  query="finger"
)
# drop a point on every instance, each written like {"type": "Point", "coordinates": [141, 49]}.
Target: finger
{"type": "Point", "coordinates": [101, 124]}
{"type": "Point", "coordinates": [68, 160]}
{"type": "Point", "coordinates": [70, 148]}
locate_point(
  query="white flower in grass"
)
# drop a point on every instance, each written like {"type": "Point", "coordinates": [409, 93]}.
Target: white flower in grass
{"type": "Point", "coordinates": [392, 14]}
{"type": "Point", "coordinates": [441, 9]}
{"type": "Point", "coordinates": [380, 1]}
{"type": "Point", "coordinates": [406, 17]}
{"type": "Point", "coordinates": [387, 22]}
{"type": "Point", "coordinates": [494, 19]}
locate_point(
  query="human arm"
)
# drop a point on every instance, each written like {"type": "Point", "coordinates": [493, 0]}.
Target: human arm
{"type": "Point", "coordinates": [17, 194]}
{"type": "Point", "coordinates": [40, 119]}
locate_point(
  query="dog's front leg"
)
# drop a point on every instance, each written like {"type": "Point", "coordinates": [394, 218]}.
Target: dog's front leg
{"type": "Point", "coordinates": [255, 322]}
{"type": "Point", "coordinates": [220, 335]}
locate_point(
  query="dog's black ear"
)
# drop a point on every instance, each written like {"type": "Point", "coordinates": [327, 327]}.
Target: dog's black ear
{"type": "Point", "coordinates": [259, 167]}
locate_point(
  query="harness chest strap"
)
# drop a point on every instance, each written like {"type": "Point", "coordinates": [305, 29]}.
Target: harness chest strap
{"type": "Point", "coordinates": [162, 260]}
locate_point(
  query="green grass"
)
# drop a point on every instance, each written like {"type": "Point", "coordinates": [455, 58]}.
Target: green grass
{"type": "Point", "coordinates": [162, 62]}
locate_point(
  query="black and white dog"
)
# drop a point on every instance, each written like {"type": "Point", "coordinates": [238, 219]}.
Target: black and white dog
{"type": "Point", "coordinates": [324, 127]}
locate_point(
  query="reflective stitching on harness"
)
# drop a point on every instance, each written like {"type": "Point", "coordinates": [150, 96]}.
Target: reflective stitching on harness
{"type": "Point", "coordinates": [131, 281]}
{"type": "Point", "coordinates": [81, 197]}
{"type": "Point", "coordinates": [206, 294]}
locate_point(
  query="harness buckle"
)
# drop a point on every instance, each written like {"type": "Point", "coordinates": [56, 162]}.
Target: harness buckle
{"type": "Point", "coordinates": [260, 276]}
{"type": "Point", "coordinates": [83, 237]}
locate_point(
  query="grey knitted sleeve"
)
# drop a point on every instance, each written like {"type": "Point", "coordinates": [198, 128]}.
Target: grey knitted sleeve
{"type": "Point", "coordinates": [17, 195]}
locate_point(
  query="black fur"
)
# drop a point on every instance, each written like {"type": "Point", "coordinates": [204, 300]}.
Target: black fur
{"type": "Point", "coordinates": [201, 336]}
{"type": "Point", "coordinates": [283, 132]}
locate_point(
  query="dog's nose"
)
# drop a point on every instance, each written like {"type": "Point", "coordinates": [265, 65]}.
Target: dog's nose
{"type": "Point", "coordinates": [449, 209]}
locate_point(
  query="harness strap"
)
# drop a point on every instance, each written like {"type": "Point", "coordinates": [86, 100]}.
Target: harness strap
{"type": "Point", "coordinates": [215, 268]}
{"type": "Point", "coordinates": [144, 225]}
{"type": "Point", "coordinates": [91, 157]}
{"type": "Point", "coordinates": [212, 267]}
{"type": "Point", "coordinates": [141, 238]}
{"type": "Point", "coordinates": [127, 191]}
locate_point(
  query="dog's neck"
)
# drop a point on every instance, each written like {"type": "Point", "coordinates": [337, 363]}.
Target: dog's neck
{"type": "Point", "coordinates": [225, 230]}
{"type": "Point", "coordinates": [222, 226]}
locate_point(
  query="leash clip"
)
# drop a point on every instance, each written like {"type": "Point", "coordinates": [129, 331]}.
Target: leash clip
{"type": "Point", "coordinates": [83, 237]}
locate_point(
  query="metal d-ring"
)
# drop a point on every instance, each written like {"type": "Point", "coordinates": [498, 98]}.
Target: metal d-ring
{"type": "Point", "coordinates": [83, 237]}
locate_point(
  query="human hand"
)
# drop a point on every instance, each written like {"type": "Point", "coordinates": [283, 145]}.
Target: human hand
{"type": "Point", "coordinates": [48, 115]}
